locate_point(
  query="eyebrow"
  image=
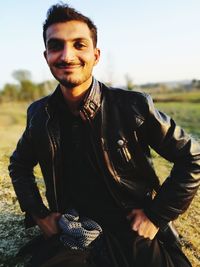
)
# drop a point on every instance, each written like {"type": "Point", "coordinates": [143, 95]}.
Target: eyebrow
{"type": "Point", "coordinates": [80, 39]}
{"type": "Point", "coordinates": [52, 40]}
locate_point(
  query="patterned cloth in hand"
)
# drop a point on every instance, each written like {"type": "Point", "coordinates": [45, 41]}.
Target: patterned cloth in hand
{"type": "Point", "coordinates": [78, 232]}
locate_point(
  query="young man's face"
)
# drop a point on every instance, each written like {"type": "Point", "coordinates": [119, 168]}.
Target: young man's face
{"type": "Point", "coordinates": [70, 52]}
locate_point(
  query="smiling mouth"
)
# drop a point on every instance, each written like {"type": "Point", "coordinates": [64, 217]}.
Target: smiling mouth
{"type": "Point", "coordinates": [65, 66]}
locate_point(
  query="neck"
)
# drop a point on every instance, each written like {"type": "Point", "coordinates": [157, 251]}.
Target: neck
{"type": "Point", "coordinates": [73, 96]}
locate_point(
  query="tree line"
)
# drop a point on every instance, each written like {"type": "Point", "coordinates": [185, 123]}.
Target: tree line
{"type": "Point", "coordinates": [25, 89]}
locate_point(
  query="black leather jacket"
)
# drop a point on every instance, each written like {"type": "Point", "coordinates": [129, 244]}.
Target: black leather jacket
{"type": "Point", "coordinates": [127, 125]}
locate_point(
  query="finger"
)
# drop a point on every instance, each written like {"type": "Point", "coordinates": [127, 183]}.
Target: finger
{"type": "Point", "coordinates": [141, 229]}
{"type": "Point", "coordinates": [147, 231]}
{"type": "Point", "coordinates": [152, 233]}
{"type": "Point", "coordinates": [135, 224]}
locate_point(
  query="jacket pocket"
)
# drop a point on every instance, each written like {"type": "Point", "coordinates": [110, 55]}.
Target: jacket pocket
{"type": "Point", "coordinates": [124, 157]}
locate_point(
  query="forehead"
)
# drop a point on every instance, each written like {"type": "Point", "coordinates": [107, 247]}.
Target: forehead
{"type": "Point", "coordinates": [68, 31]}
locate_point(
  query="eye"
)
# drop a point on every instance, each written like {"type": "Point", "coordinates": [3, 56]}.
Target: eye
{"type": "Point", "coordinates": [55, 46]}
{"type": "Point", "coordinates": [79, 45]}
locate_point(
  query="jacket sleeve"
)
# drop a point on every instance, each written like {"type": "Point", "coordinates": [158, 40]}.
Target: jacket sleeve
{"type": "Point", "coordinates": [172, 143]}
{"type": "Point", "coordinates": [22, 163]}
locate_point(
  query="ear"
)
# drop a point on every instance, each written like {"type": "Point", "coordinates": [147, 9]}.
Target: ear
{"type": "Point", "coordinates": [97, 53]}
{"type": "Point", "coordinates": [45, 55]}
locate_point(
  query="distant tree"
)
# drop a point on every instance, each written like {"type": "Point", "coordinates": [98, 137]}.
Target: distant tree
{"type": "Point", "coordinates": [9, 92]}
{"type": "Point", "coordinates": [21, 75]}
{"type": "Point", "coordinates": [196, 84]}
{"type": "Point", "coordinates": [129, 82]}
{"type": "Point", "coordinates": [109, 70]}
{"type": "Point", "coordinates": [47, 87]}
{"type": "Point", "coordinates": [28, 90]}
{"type": "Point", "coordinates": [108, 84]}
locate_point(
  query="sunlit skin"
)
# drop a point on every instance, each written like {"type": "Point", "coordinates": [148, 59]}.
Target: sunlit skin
{"type": "Point", "coordinates": [141, 224]}
{"type": "Point", "coordinates": [71, 56]}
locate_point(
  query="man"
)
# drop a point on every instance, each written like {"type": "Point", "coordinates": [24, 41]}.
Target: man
{"type": "Point", "coordinates": [93, 146]}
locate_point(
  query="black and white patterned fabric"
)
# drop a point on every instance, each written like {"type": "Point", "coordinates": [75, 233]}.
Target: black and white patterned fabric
{"type": "Point", "coordinates": [78, 232]}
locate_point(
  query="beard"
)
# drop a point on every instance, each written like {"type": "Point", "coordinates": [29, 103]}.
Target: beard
{"type": "Point", "coordinates": [70, 81]}
{"type": "Point", "coordinates": [67, 83]}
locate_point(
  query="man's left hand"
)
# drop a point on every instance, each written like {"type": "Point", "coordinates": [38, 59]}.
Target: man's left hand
{"type": "Point", "coordinates": [141, 224]}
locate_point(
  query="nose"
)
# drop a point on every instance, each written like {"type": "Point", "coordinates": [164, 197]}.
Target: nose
{"type": "Point", "coordinates": [67, 53]}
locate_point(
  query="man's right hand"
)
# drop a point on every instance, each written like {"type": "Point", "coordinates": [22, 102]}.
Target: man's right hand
{"type": "Point", "coordinates": [49, 224]}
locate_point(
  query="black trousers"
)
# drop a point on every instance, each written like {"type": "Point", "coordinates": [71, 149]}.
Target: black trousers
{"type": "Point", "coordinates": [136, 251]}
{"type": "Point", "coordinates": [117, 250]}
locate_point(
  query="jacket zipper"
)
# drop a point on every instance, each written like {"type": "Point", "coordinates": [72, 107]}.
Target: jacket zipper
{"type": "Point", "coordinates": [110, 167]}
{"type": "Point", "coordinates": [108, 161]}
{"type": "Point", "coordinates": [53, 149]}
{"type": "Point", "coordinates": [106, 152]}
{"type": "Point", "coordinates": [123, 150]}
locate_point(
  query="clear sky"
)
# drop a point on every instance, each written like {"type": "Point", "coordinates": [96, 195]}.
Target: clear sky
{"type": "Point", "coordinates": [150, 40]}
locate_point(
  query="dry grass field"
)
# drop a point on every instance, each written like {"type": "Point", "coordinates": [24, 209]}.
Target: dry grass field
{"type": "Point", "coordinates": [12, 233]}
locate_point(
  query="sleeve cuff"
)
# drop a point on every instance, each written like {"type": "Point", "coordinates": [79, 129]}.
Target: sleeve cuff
{"type": "Point", "coordinates": [155, 219]}
{"type": "Point", "coordinates": [39, 212]}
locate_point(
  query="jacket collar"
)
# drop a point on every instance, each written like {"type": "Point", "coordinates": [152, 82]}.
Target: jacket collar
{"type": "Point", "coordinates": [91, 103]}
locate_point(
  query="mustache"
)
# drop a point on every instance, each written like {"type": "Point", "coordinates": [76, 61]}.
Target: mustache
{"type": "Point", "coordinates": [67, 64]}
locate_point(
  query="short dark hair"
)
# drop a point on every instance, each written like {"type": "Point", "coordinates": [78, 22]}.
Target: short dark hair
{"type": "Point", "coordinates": [62, 13]}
